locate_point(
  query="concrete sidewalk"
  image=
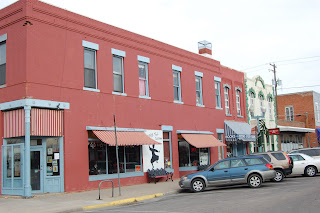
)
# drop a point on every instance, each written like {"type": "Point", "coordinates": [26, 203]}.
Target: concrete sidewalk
{"type": "Point", "coordinates": [77, 201]}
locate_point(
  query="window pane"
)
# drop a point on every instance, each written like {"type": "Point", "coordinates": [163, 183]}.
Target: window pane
{"type": "Point", "coordinates": [176, 93]}
{"type": "Point", "coordinates": [142, 71]}
{"type": "Point", "coordinates": [198, 94]}
{"type": "Point", "coordinates": [166, 154]}
{"type": "Point", "coordinates": [112, 160]}
{"type": "Point", "coordinates": [222, 165]}
{"type": "Point", "coordinates": [54, 154]}
{"type": "Point", "coordinates": [237, 163]}
{"type": "Point", "coordinates": [176, 79]}
{"type": "Point", "coordinates": [204, 156]}
{"type": "Point", "coordinates": [194, 156]}
{"type": "Point", "coordinates": [166, 135]}
{"type": "Point", "coordinates": [3, 53]}
{"type": "Point", "coordinates": [117, 65]}
{"type": "Point", "coordinates": [142, 87]}
{"type": "Point", "coordinates": [2, 74]}
{"type": "Point", "coordinates": [97, 158]}
{"type": "Point", "coordinates": [132, 158]}
{"type": "Point", "coordinates": [198, 84]}
{"type": "Point", "coordinates": [184, 154]}
{"type": "Point", "coordinates": [89, 56]}
{"type": "Point", "coordinates": [89, 78]}
{"type": "Point", "coordinates": [117, 83]}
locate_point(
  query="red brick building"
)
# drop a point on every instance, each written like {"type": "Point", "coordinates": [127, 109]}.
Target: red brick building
{"type": "Point", "coordinates": [63, 78]}
{"type": "Point", "coordinates": [298, 119]}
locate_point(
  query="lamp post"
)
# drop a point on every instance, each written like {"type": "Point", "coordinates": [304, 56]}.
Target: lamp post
{"type": "Point", "coordinates": [258, 117]}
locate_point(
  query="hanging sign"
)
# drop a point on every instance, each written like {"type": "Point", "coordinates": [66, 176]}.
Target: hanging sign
{"type": "Point", "coordinates": [274, 131]}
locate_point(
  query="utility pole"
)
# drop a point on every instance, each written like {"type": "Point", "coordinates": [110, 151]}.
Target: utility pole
{"type": "Point", "coordinates": [275, 86]}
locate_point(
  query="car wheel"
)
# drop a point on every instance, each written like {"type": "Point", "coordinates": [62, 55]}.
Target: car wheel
{"type": "Point", "coordinates": [198, 185]}
{"type": "Point", "coordinates": [310, 171]}
{"type": "Point", "coordinates": [254, 181]}
{"type": "Point", "coordinates": [279, 176]}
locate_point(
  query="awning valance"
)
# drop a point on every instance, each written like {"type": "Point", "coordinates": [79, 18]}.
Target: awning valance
{"type": "Point", "coordinates": [202, 140]}
{"type": "Point", "coordinates": [124, 138]}
{"type": "Point", "coordinates": [238, 131]}
{"type": "Point", "coordinates": [295, 129]}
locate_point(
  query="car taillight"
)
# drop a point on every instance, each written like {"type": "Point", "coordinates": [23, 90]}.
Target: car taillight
{"type": "Point", "coordinates": [269, 166]}
{"type": "Point", "coordinates": [288, 158]}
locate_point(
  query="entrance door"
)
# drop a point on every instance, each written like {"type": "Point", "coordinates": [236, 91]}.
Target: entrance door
{"type": "Point", "coordinates": [36, 170]}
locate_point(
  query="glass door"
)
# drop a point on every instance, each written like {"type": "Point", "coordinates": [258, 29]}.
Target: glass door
{"type": "Point", "coordinates": [36, 170]}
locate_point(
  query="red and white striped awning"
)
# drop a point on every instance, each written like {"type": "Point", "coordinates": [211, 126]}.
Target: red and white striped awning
{"type": "Point", "coordinates": [44, 122]}
{"type": "Point", "coordinates": [202, 140]}
{"type": "Point", "coordinates": [124, 138]}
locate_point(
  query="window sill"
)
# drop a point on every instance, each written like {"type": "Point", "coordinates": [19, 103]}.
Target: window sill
{"type": "Point", "coordinates": [229, 115]}
{"type": "Point", "coordinates": [178, 102]}
{"type": "Point", "coordinates": [91, 89]}
{"type": "Point", "coordinates": [200, 105]}
{"type": "Point", "coordinates": [144, 97]}
{"type": "Point", "coordinates": [219, 108]}
{"type": "Point", "coordinates": [3, 86]}
{"type": "Point", "coordinates": [189, 168]}
{"type": "Point", "coordinates": [240, 116]}
{"type": "Point", "coordinates": [114, 176]}
{"type": "Point", "coordinates": [118, 93]}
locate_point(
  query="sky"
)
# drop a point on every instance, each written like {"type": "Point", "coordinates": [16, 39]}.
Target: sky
{"type": "Point", "coordinates": [246, 35]}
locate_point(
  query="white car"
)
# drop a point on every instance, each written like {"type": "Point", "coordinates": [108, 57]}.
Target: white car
{"type": "Point", "coordinates": [304, 165]}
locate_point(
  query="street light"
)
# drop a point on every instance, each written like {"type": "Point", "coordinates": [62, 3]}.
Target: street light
{"type": "Point", "coordinates": [263, 110]}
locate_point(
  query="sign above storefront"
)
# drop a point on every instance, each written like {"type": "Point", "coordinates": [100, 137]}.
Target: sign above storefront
{"type": "Point", "coordinates": [274, 131]}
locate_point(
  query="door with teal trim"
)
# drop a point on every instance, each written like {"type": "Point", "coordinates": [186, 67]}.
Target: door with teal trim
{"type": "Point", "coordinates": [36, 169]}
{"type": "Point", "coordinates": [12, 175]}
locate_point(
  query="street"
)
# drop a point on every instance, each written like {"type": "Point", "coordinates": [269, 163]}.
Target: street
{"type": "Point", "coordinates": [294, 195]}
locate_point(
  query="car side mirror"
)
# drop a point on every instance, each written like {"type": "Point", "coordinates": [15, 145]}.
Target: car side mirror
{"type": "Point", "coordinates": [212, 169]}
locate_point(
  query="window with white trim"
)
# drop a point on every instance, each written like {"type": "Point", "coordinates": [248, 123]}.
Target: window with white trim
{"type": "Point", "coordinates": [261, 103]}
{"type": "Point", "coordinates": [176, 85]}
{"type": "Point", "coordinates": [217, 93]}
{"type": "Point", "coordinates": [270, 108]}
{"type": "Point", "coordinates": [3, 59]}
{"type": "Point", "coordinates": [143, 79]}
{"type": "Point", "coordinates": [199, 90]}
{"type": "Point", "coordinates": [317, 112]}
{"type": "Point", "coordinates": [289, 113]}
{"type": "Point", "coordinates": [90, 68]}
{"type": "Point", "coordinates": [220, 148]}
{"type": "Point", "coordinates": [238, 102]}
{"type": "Point", "coordinates": [118, 74]}
{"type": "Point", "coordinates": [226, 100]}
{"type": "Point", "coordinates": [251, 95]}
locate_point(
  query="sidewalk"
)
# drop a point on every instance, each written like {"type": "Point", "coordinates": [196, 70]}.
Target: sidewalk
{"type": "Point", "coordinates": [77, 201]}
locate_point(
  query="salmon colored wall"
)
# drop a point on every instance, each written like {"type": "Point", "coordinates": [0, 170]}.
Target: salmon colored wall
{"type": "Point", "coordinates": [53, 59]}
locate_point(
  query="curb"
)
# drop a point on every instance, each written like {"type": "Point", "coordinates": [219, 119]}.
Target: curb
{"type": "Point", "coordinates": [121, 202]}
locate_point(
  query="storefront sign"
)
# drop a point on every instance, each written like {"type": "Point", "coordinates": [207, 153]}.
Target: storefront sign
{"type": "Point", "coordinates": [153, 157]}
{"type": "Point", "coordinates": [274, 131]}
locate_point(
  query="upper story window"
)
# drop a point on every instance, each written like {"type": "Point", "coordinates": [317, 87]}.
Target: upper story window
{"type": "Point", "coordinates": [238, 103]}
{"type": "Point", "coordinates": [317, 112]}
{"type": "Point", "coordinates": [143, 76]}
{"type": "Point", "coordinates": [217, 91]}
{"type": "Point", "coordinates": [289, 113]}
{"type": "Point", "coordinates": [227, 99]}
{"type": "Point", "coordinates": [90, 68]}
{"type": "Point", "coordinates": [270, 108]}
{"type": "Point", "coordinates": [177, 83]}
{"type": "Point", "coordinates": [199, 98]}
{"type": "Point", "coordinates": [118, 72]}
{"type": "Point", "coordinates": [251, 99]}
{"type": "Point", "coordinates": [3, 59]}
{"type": "Point", "coordinates": [261, 98]}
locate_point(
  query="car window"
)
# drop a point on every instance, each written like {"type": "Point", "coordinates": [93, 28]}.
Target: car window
{"type": "Point", "coordinates": [309, 152]}
{"type": "Point", "coordinates": [237, 163]}
{"type": "Point", "coordinates": [279, 156]}
{"type": "Point", "coordinates": [255, 161]}
{"type": "Point", "coordinates": [267, 157]}
{"type": "Point", "coordinates": [297, 157]}
{"type": "Point", "coordinates": [222, 165]}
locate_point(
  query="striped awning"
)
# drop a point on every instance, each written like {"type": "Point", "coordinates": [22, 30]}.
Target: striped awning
{"type": "Point", "coordinates": [124, 138]}
{"type": "Point", "coordinates": [235, 131]}
{"type": "Point", "coordinates": [202, 140]}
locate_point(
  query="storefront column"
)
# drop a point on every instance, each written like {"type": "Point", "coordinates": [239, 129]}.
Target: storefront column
{"type": "Point", "coordinates": [27, 180]}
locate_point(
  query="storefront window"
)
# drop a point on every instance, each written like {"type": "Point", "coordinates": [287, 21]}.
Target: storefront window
{"type": "Point", "coordinates": [53, 157]}
{"type": "Point", "coordinates": [129, 158]}
{"type": "Point", "coordinates": [192, 156]}
{"type": "Point", "coordinates": [166, 149]}
{"type": "Point", "coordinates": [97, 158]}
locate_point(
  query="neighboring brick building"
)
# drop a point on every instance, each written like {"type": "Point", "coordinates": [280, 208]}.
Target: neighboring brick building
{"type": "Point", "coordinates": [298, 118]}
{"type": "Point", "coordinates": [63, 77]}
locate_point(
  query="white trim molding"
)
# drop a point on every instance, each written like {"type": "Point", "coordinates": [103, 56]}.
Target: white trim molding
{"type": "Point", "coordinates": [143, 59]}
{"type": "Point", "coordinates": [118, 52]}
{"type": "Point", "coordinates": [34, 103]}
{"type": "Point", "coordinates": [177, 68]}
{"type": "Point", "coordinates": [90, 45]}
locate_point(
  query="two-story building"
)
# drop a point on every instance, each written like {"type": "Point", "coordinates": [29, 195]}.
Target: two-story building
{"type": "Point", "coordinates": [67, 81]}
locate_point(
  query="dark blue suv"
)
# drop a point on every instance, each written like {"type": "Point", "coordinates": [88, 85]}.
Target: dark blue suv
{"type": "Point", "coordinates": [253, 170]}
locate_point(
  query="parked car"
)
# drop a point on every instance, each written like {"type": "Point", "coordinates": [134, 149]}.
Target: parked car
{"type": "Point", "coordinates": [313, 152]}
{"type": "Point", "coordinates": [252, 170]}
{"type": "Point", "coordinates": [280, 161]}
{"type": "Point", "coordinates": [305, 165]}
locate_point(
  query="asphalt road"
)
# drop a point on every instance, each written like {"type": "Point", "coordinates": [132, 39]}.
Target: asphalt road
{"type": "Point", "coordinates": [293, 195]}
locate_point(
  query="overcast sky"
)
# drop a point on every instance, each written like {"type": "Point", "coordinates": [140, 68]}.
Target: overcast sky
{"type": "Point", "coordinates": [244, 33]}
